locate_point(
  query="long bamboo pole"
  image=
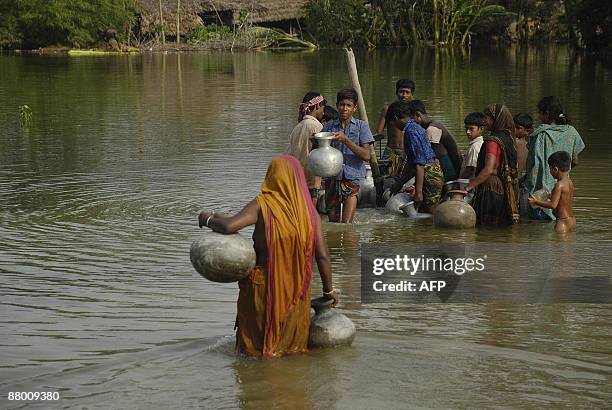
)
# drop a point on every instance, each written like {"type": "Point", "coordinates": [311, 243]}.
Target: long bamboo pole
{"type": "Point", "coordinates": [161, 21]}
{"type": "Point", "coordinates": [178, 21]}
{"type": "Point", "coordinates": [352, 68]}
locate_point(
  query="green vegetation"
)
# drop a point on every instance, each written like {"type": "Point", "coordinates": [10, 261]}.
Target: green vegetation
{"type": "Point", "coordinates": [262, 37]}
{"type": "Point", "coordinates": [209, 32]}
{"type": "Point", "coordinates": [374, 23]}
{"type": "Point", "coordinates": [30, 24]}
{"type": "Point", "coordinates": [590, 23]}
{"type": "Point", "coordinates": [74, 23]}
{"type": "Point", "coordinates": [25, 115]}
{"type": "Point", "coordinates": [246, 36]}
{"type": "Point", "coordinates": [403, 22]}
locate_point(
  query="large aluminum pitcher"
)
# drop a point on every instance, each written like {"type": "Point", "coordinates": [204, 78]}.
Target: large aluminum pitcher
{"type": "Point", "coordinates": [325, 161]}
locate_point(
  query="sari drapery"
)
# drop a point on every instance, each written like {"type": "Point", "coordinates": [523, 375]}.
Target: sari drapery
{"type": "Point", "coordinates": [496, 201]}
{"type": "Point", "coordinates": [274, 302]}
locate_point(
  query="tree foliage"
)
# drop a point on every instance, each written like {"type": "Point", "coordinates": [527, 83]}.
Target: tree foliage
{"type": "Point", "coordinates": [592, 21]}
{"type": "Point", "coordinates": [373, 23]}
{"type": "Point", "coordinates": [345, 22]}
{"type": "Point", "coordinates": [77, 23]}
{"type": "Point", "coordinates": [380, 22]}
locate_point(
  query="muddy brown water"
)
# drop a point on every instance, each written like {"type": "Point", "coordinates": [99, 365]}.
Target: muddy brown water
{"type": "Point", "coordinates": [98, 205]}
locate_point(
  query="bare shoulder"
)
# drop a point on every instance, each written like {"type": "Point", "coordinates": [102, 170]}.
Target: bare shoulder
{"type": "Point", "coordinates": [564, 185]}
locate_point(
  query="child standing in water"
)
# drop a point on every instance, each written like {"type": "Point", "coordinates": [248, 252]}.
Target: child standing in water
{"type": "Point", "coordinates": [562, 196]}
{"type": "Point", "coordinates": [353, 138]}
{"type": "Point", "coordinates": [474, 128]}
{"type": "Point", "coordinates": [523, 125]}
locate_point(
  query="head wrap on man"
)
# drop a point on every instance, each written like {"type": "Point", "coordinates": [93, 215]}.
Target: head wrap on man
{"type": "Point", "coordinates": [307, 106]}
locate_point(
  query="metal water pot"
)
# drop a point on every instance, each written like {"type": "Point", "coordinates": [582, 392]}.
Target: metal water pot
{"type": "Point", "coordinates": [325, 161]}
{"type": "Point", "coordinates": [366, 198]}
{"type": "Point", "coordinates": [222, 258]}
{"type": "Point", "coordinates": [411, 212]}
{"type": "Point", "coordinates": [456, 185]}
{"type": "Point", "coordinates": [329, 327]}
{"type": "Point", "coordinates": [454, 212]}
{"type": "Point", "coordinates": [398, 201]}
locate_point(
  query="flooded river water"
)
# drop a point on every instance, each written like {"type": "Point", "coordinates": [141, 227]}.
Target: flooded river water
{"type": "Point", "coordinates": [99, 199]}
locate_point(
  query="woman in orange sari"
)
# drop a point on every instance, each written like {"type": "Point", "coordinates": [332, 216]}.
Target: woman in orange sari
{"type": "Point", "coordinates": [274, 300]}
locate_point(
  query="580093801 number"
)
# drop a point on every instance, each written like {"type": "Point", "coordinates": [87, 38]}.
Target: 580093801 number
{"type": "Point", "coordinates": [33, 395]}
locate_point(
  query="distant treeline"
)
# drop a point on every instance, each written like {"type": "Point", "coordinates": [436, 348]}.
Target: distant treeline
{"type": "Point", "coordinates": [30, 24]}
{"type": "Point", "coordinates": [378, 23]}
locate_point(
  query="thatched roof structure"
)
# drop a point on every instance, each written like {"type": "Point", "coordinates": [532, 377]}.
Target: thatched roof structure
{"type": "Point", "coordinates": [193, 12]}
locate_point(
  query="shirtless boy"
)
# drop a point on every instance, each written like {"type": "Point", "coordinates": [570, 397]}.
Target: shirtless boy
{"type": "Point", "coordinates": [562, 196]}
{"type": "Point", "coordinates": [394, 151]}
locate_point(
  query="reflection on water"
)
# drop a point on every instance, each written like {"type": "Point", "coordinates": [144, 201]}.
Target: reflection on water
{"type": "Point", "coordinates": [98, 205]}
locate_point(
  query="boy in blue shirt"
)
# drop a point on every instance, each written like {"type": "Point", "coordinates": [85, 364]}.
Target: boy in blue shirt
{"type": "Point", "coordinates": [421, 160]}
{"type": "Point", "coordinates": [353, 139]}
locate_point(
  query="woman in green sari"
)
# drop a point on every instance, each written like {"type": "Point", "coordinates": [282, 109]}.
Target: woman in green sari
{"type": "Point", "coordinates": [554, 134]}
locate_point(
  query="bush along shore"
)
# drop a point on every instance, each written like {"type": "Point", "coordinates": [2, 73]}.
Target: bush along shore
{"type": "Point", "coordinates": [60, 25]}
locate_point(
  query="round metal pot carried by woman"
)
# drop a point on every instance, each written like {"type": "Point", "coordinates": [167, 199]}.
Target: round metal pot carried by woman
{"type": "Point", "coordinates": [454, 212]}
{"type": "Point", "coordinates": [325, 161]}
{"type": "Point", "coordinates": [329, 327]}
{"type": "Point", "coordinates": [222, 258]}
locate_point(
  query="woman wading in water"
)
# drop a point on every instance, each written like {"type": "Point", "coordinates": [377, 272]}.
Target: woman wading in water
{"type": "Point", "coordinates": [274, 301]}
{"type": "Point", "coordinates": [553, 135]}
{"type": "Point", "coordinates": [496, 182]}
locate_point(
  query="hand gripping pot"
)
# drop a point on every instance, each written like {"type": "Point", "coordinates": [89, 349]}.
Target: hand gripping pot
{"type": "Point", "coordinates": [541, 195]}
{"type": "Point", "coordinates": [222, 258]}
{"type": "Point", "coordinates": [325, 161]}
{"type": "Point", "coordinates": [329, 327]}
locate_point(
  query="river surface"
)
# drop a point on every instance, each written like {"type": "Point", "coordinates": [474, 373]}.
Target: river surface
{"type": "Point", "coordinates": [99, 198]}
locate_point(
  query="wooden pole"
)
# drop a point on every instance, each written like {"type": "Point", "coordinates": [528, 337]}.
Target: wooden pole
{"type": "Point", "coordinates": [161, 21]}
{"type": "Point", "coordinates": [178, 21]}
{"type": "Point", "coordinates": [352, 68]}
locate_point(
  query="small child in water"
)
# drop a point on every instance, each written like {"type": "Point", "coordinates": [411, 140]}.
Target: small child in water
{"type": "Point", "coordinates": [562, 196]}
{"type": "Point", "coordinates": [523, 125]}
{"type": "Point", "coordinates": [474, 128]}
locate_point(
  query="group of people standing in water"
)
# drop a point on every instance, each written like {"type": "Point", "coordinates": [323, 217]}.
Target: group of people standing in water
{"type": "Point", "coordinates": [506, 160]}
{"type": "Point", "coordinates": [506, 163]}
